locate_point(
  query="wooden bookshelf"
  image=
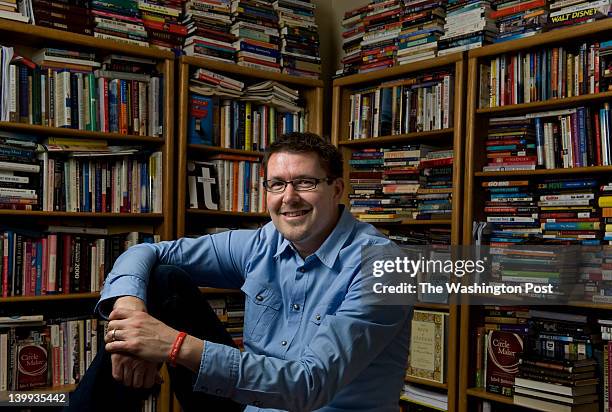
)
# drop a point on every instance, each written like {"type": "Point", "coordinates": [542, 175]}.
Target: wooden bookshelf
{"type": "Point", "coordinates": [26, 38]}
{"type": "Point", "coordinates": [476, 129]}
{"type": "Point", "coordinates": [310, 90]}
{"type": "Point", "coordinates": [218, 291]}
{"type": "Point", "coordinates": [453, 136]}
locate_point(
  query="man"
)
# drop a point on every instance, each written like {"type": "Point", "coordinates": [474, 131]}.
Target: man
{"type": "Point", "coordinates": [311, 342]}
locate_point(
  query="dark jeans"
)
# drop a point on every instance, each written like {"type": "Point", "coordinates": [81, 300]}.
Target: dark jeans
{"type": "Point", "coordinates": [173, 298]}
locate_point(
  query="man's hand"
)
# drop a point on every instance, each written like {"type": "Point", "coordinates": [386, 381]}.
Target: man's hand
{"type": "Point", "coordinates": [139, 334]}
{"type": "Point", "coordinates": [134, 372]}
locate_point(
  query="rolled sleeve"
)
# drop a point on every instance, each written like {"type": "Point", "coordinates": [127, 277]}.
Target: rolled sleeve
{"type": "Point", "coordinates": [218, 370]}
{"type": "Point", "coordinates": [125, 285]}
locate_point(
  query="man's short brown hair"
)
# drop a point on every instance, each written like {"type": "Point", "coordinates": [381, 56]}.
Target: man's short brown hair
{"type": "Point", "coordinates": [329, 156]}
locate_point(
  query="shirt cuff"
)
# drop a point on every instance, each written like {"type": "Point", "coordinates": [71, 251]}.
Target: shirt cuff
{"type": "Point", "coordinates": [218, 372]}
{"type": "Point", "coordinates": [136, 287]}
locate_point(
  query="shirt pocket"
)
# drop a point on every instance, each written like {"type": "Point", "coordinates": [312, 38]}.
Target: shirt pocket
{"type": "Point", "coordinates": [322, 310]}
{"type": "Point", "coordinates": [262, 307]}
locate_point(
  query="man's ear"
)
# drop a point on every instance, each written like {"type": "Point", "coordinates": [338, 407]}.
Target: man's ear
{"type": "Point", "coordinates": [338, 188]}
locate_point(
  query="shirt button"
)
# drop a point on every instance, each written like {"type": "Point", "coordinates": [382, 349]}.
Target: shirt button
{"type": "Point", "coordinates": [318, 317]}
{"type": "Point", "coordinates": [284, 343]}
{"type": "Point", "coordinates": [296, 306]}
{"type": "Point", "coordinates": [302, 270]}
{"type": "Point", "coordinates": [259, 298]}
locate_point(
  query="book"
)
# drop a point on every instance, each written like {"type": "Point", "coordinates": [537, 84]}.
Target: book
{"type": "Point", "coordinates": [427, 345]}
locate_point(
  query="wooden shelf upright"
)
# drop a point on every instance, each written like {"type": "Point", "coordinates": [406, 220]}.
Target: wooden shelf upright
{"type": "Point", "coordinates": [476, 131]}
{"type": "Point", "coordinates": [190, 220]}
{"type": "Point", "coordinates": [450, 137]}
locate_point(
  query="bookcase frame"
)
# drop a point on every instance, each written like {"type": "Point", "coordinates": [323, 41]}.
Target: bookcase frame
{"type": "Point", "coordinates": [31, 36]}
{"type": "Point", "coordinates": [312, 93]}
{"type": "Point", "coordinates": [476, 126]}
{"type": "Point", "coordinates": [342, 88]}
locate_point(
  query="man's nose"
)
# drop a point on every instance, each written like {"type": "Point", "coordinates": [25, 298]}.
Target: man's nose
{"type": "Point", "coordinates": [290, 195]}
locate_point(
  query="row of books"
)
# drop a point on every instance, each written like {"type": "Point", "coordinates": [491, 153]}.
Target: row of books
{"type": "Point", "coordinates": [547, 360]}
{"type": "Point", "coordinates": [227, 183]}
{"type": "Point", "coordinates": [575, 137]}
{"type": "Point", "coordinates": [547, 73]}
{"type": "Point", "coordinates": [229, 309]}
{"type": "Point", "coordinates": [61, 259]}
{"type": "Point", "coordinates": [384, 34]}
{"type": "Point", "coordinates": [59, 88]}
{"type": "Point", "coordinates": [416, 104]}
{"type": "Point", "coordinates": [78, 175]}
{"type": "Point", "coordinates": [409, 182]}
{"type": "Point", "coordinates": [606, 335]}
{"type": "Point", "coordinates": [35, 353]}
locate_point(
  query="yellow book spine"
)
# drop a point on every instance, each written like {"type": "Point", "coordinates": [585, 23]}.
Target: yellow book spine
{"type": "Point", "coordinates": [248, 127]}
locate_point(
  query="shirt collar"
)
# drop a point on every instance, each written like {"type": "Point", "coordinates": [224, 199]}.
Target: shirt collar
{"type": "Point", "coordinates": [329, 250]}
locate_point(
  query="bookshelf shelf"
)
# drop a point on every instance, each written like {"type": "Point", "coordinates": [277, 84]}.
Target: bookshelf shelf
{"type": "Point", "coordinates": [55, 298]}
{"type": "Point", "coordinates": [214, 150]}
{"type": "Point", "coordinates": [547, 172]}
{"type": "Point", "coordinates": [425, 382]}
{"type": "Point", "coordinates": [401, 138]}
{"type": "Point", "coordinates": [408, 400]}
{"type": "Point", "coordinates": [80, 215]}
{"type": "Point", "coordinates": [311, 92]}
{"type": "Point", "coordinates": [477, 126]}
{"type": "Point", "coordinates": [543, 39]}
{"type": "Point", "coordinates": [38, 36]}
{"type": "Point", "coordinates": [218, 291]}
{"type": "Point", "coordinates": [60, 131]}
{"type": "Point", "coordinates": [545, 105]}
{"type": "Point", "coordinates": [482, 394]}
{"type": "Point", "coordinates": [54, 389]}
{"type": "Point", "coordinates": [448, 137]}
{"type": "Point", "coordinates": [381, 75]}
{"type": "Point", "coordinates": [249, 72]}
{"type": "Point", "coordinates": [221, 213]}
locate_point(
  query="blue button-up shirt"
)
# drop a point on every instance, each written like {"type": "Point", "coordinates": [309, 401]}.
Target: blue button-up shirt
{"type": "Point", "coordinates": [310, 341]}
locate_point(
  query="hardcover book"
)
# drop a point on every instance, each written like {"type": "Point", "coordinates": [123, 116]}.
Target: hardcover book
{"type": "Point", "coordinates": [428, 346]}
{"type": "Point", "coordinates": [503, 352]}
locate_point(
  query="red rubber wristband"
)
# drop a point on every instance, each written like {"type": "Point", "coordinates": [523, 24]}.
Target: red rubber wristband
{"type": "Point", "coordinates": [178, 342]}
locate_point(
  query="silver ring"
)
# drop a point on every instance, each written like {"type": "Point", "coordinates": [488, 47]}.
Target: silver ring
{"type": "Point", "coordinates": [114, 332]}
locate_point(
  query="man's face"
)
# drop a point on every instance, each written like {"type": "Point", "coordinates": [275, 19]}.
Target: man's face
{"type": "Point", "coordinates": [305, 218]}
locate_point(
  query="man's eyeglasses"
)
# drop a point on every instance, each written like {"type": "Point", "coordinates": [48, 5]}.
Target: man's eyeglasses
{"type": "Point", "coordinates": [303, 184]}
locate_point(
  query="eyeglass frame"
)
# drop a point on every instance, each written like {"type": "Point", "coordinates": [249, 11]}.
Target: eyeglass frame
{"type": "Point", "coordinates": [316, 180]}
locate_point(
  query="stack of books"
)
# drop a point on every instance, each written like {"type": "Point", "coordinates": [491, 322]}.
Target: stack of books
{"type": "Point", "coordinates": [424, 397]}
{"type": "Point", "coordinates": [209, 35]}
{"type": "Point", "coordinates": [557, 372]}
{"type": "Point", "coordinates": [11, 11]}
{"type": "Point", "coordinates": [251, 49]}
{"type": "Point", "coordinates": [230, 311]}
{"type": "Point", "coordinates": [163, 22]}
{"type": "Point", "coordinates": [422, 27]}
{"type": "Point", "coordinates": [564, 13]}
{"type": "Point", "coordinates": [209, 83]}
{"type": "Point", "coordinates": [435, 196]}
{"type": "Point", "coordinates": [366, 182]}
{"type": "Point", "coordinates": [517, 20]}
{"type": "Point", "coordinates": [568, 211]}
{"type": "Point", "coordinates": [468, 25]}
{"type": "Point", "coordinates": [73, 16]}
{"type": "Point", "coordinates": [273, 93]}
{"type": "Point", "coordinates": [299, 38]}
{"type": "Point", "coordinates": [606, 336]}
{"type": "Point", "coordinates": [352, 34]}
{"type": "Point", "coordinates": [19, 173]}
{"type": "Point", "coordinates": [379, 43]}
{"type": "Point", "coordinates": [511, 144]}
{"type": "Point", "coordinates": [511, 212]}
{"type": "Point", "coordinates": [605, 203]}
{"type": "Point", "coordinates": [119, 20]}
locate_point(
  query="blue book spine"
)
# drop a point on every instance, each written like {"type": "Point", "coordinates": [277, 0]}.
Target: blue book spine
{"type": "Point", "coordinates": [504, 189]}
{"type": "Point", "coordinates": [113, 115]}
{"type": "Point", "coordinates": [98, 188]}
{"type": "Point", "coordinates": [506, 195]}
{"type": "Point", "coordinates": [539, 140]}
{"type": "Point", "coordinates": [37, 263]}
{"type": "Point", "coordinates": [258, 50]}
{"type": "Point", "coordinates": [247, 187]}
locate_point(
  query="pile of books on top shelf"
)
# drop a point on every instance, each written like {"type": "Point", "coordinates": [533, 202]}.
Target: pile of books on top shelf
{"type": "Point", "coordinates": [119, 20]}
{"type": "Point", "coordinates": [382, 26]}
{"type": "Point", "coordinates": [299, 38]}
{"type": "Point", "coordinates": [163, 22]}
{"type": "Point", "coordinates": [422, 27]}
{"type": "Point", "coordinates": [517, 20]}
{"type": "Point", "coordinates": [73, 16]}
{"type": "Point", "coordinates": [208, 24]}
{"type": "Point", "coordinates": [259, 49]}
{"type": "Point", "coordinates": [564, 13]}
{"type": "Point", "coordinates": [435, 196]}
{"type": "Point", "coordinates": [468, 25]}
{"type": "Point", "coordinates": [20, 187]}
{"type": "Point", "coordinates": [352, 35]}
{"type": "Point", "coordinates": [558, 371]}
